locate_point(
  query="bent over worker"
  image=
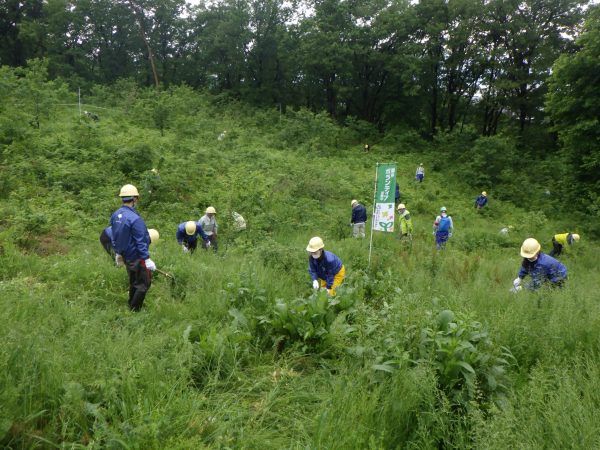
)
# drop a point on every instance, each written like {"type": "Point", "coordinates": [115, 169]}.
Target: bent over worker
{"type": "Point", "coordinates": [130, 239]}
{"type": "Point", "coordinates": [542, 268]}
{"type": "Point", "coordinates": [359, 218]}
{"type": "Point", "coordinates": [187, 236]}
{"type": "Point", "coordinates": [560, 241]}
{"type": "Point", "coordinates": [325, 268]}
{"type": "Point", "coordinates": [106, 241]}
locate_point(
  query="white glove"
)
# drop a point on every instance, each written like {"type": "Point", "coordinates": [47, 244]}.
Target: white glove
{"type": "Point", "coordinates": [119, 260]}
{"type": "Point", "coordinates": [207, 244]}
{"type": "Point", "coordinates": [185, 249]}
{"type": "Point", "coordinates": [150, 265]}
{"type": "Point", "coordinates": [433, 232]}
{"type": "Point", "coordinates": [517, 282]}
{"type": "Point", "coordinates": [315, 284]}
{"type": "Point", "coordinates": [449, 234]}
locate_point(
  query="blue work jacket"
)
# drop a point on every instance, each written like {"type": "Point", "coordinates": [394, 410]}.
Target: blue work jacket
{"type": "Point", "coordinates": [359, 214]}
{"type": "Point", "coordinates": [130, 236]}
{"type": "Point", "coordinates": [543, 269]}
{"type": "Point", "coordinates": [481, 200]}
{"type": "Point", "coordinates": [325, 268]}
{"type": "Point", "coordinates": [182, 236]}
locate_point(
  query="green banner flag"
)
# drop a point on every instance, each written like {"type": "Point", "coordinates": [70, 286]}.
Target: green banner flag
{"type": "Point", "coordinates": [383, 218]}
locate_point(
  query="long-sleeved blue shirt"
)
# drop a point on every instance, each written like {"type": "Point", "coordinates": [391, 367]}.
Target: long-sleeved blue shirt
{"type": "Point", "coordinates": [108, 231]}
{"type": "Point", "coordinates": [130, 236]}
{"type": "Point", "coordinates": [359, 214]}
{"type": "Point", "coordinates": [481, 201]}
{"type": "Point", "coordinates": [181, 234]}
{"type": "Point", "coordinates": [545, 268]}
{"type": "Point", "coordinates": [325, 268]}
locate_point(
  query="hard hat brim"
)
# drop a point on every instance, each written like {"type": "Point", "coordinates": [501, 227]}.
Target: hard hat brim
{"type": "Point", "coordinates": [526, 254]}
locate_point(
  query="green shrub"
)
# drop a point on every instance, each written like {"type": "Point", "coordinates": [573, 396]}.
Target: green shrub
{"type": "Point", "coordinates": [469, 367]}
{"type": "Point", "coordinates": [303, 320]}
{"type": "Point", "coordinates": [135, 159]}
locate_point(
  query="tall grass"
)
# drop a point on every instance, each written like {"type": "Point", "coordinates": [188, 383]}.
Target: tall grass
{"type": "Point", "coordinates": [200, 367]}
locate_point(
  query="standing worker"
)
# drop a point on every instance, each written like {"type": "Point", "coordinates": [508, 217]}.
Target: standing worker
{"type": "Point", "coordinates": [359, 219]}
{"type": "Point", "coordinates": [406, 226]}
{"type": "Point", "coordinates": [442, 228]}
{"type": "Point", "coordinates": [325, 268]}
{"type": "Point", "coordinates": [397, 194]}
{"type": "Point", "coordinates": [481, 200]}
{"type": "Point", "coordinates": [208, 222]}
{"type": "Point", "coordinates": [106, 239]}
{"type": "Point", "coordinates": [540, 267]}
{"type": "Point", "coordinates": [420, 173]}
{"type": "Point", "coordinates": [560, 241]}
{"type": "Point", "coordinates": [187, 236]}
{"type": "Point", "coordinates": [130, 239]}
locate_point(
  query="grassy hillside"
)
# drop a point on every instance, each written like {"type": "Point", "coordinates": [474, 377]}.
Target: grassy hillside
{"type": "Point", "coordinates": [239, 352]}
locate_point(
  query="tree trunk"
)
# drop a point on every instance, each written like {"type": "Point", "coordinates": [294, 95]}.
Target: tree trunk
{"type": "Point", "coordinates": [139, 12]}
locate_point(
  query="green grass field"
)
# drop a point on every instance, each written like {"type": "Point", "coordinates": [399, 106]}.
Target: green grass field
{"type": "Point", "coordinates": [239, 352]}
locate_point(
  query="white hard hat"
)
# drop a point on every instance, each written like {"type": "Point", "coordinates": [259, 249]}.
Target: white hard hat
{"type": "Point", "coordinates": [129, 190]}
{"type": "Point", "coordinates": [315, 244]}
{"type": "Point", "coordinates": [210, 210]}
{"type": "Point", "coordinates": [401, 206]}
{"type": "Point", "coordinates": [190, 227]}
{"type": "Point", "coordinates": [353, 202]}
{"type": "Point", "coordinates": [153, 235]}
{"type": "Point", "coordinates": [530, 248]}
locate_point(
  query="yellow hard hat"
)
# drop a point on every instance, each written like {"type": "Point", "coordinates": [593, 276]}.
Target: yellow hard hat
{"type": "Point", "coordinates": [401, 206]}
{"type": "Point", "coordinates": [484, 194]}
{"type": "Point", "coordinates": [211, 210]}
{"type": "Point", "coordinates": [576, 237]}
{"type": "Point", "coordinates": [129, 190]}
{"type": "Point", "coordinates": [315, 244]}
{"type": "Point", "coordinates": [190, 228]}
{"type": "Point", "coordinates": [154, 171]}
{"type": "Point", "coordinates": [530, 248]}
{"type": "Point", "coordinates": [153, 235]}
{"type": "Point", "coordinates": [353, 202]}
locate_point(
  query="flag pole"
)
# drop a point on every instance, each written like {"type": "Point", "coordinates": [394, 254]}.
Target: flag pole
{"type": "Point", "coordinates": [373, 214]}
